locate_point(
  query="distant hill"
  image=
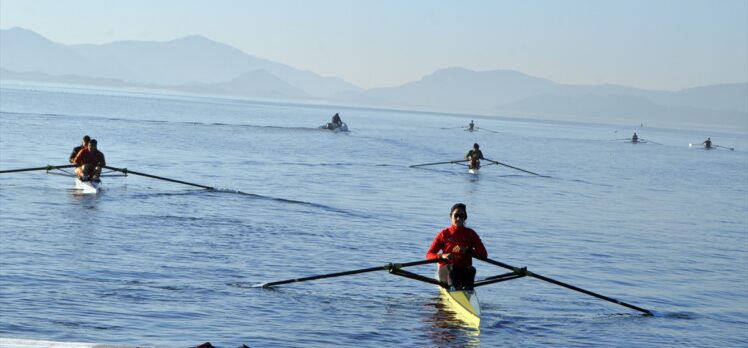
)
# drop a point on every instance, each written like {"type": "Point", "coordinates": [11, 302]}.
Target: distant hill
{"type": "Point", "coordinates": [26, 51]}
{"type": "Point", "coordinates": [192, 59]}
{"type": "Point", "coordinates": [510, 93]}
{"type": "Point", "coordinates": [258, 83]}
{"type": "Point", "coordinates": [197, 64]}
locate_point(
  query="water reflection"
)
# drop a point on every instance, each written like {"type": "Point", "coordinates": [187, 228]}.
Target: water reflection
{"type": "Point", "coordinates": [445, 329]}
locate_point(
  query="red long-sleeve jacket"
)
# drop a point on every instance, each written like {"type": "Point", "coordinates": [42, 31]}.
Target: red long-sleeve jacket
{"type": "Point", "coordinates": [452, 236]}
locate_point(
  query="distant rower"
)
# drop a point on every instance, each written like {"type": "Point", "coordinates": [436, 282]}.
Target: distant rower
{"type": "Point", "coordinates": [474, 156]}
{"type": "Point", "coordinates": [707, 143]}
{"type": "Point", "coordinates": [635, 138]}
{"type": "Point", "coordinates": [471, 126]}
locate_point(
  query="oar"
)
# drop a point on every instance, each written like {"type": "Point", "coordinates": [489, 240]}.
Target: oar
{"type": "Point", "coordinates": [486, 129]}
{"type": "Point", "coordinates": [431, 164]}
{"type": "Point", "coordinates": [525, 272]}
{"type": "Point", "coordinates": [452, 127]}
{"type": "Point", "coordinates": [620, 139]}
{"type": "Point", "coordinates": [387, 267]}
{"type": "Point", "coordinates": [520, 169]}
{"type": "Point", "coordinates": [126, 171]}
{"type": "Point", "coordinates": [728, 148]}
{"type": "Point", "coordinates": [47, 168]}
{"type": "Point", "coordinates": [650, 141]}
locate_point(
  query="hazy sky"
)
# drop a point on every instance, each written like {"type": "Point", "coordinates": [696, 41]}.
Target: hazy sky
{"type": "Point", "coordinates": [658, 44]}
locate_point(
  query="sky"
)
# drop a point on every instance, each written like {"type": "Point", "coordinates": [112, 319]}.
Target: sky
{"type": "Point", "coordinates": [652, 44]}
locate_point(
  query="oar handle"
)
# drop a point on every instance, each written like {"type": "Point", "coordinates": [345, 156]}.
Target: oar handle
{"type": "Point", "coordinates": [126, 171]}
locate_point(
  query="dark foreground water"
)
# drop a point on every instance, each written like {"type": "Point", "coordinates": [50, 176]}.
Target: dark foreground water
{"type": "Point", "coordinates": [148, 262]}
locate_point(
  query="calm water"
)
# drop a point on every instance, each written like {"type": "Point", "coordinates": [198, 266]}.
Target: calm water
{"type": "Point", "coordinates": [148, 262]}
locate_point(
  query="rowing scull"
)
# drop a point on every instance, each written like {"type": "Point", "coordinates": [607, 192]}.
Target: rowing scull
{"type": "Point", "coordinates": [465, 303]}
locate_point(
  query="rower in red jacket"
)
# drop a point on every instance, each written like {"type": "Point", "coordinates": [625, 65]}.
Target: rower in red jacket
{"type": "Point", "coordinates": [454, 245]}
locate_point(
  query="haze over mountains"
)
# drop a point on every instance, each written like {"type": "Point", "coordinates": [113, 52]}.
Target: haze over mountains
{"type": "Point", "coordinates": [199, 65]}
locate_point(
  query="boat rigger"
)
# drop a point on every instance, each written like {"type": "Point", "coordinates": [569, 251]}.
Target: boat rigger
{"type": "Point", "coordinates": [464, 302]}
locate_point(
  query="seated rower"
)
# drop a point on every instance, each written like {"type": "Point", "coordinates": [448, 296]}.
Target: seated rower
{"type": "Point", "coordinates": [84, 143]}
{"type": "Point", "coordinates": [474, 156]}
{"type": "Point", "coordinates": [707, 143]}
{"type": "Point", "coordinates": [335, 123]}
{"type": "Point", "coordinates": [453, 246]}
{"type": "Point", "coordinates": [89, 161]}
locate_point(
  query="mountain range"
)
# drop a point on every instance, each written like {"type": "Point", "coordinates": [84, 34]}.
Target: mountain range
{"type": "Point", "coordinates": [197, 64]}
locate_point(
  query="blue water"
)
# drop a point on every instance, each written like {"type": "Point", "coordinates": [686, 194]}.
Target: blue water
{"type": "Point", "coordinates": [149, 262]}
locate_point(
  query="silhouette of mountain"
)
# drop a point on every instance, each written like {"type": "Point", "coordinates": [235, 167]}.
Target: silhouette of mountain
{"type": "Point", "coordinates": [510, 93]}
{"type": "Point", "coordinates": [192, 59]}
{"type": "Point", "coordinates": [199, 65]}
{"type": "Point", "coordinates": [258, 83]}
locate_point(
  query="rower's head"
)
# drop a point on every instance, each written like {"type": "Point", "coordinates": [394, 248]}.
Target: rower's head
{"type": "Point", "coordinates": [92, 144]}
{"type": "Point", "coordinates": [86, 139]}
{"type": "Point", "coordinates": [458, 214]}
{"type": "Point", "coordinates": [476, 146]}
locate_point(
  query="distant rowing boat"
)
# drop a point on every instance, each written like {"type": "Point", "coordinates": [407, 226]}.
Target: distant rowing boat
{"type": "Point", "coordinates": [329, 126]}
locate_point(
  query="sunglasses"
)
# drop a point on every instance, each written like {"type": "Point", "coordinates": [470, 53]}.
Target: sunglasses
{"type": "Point", "coordinates": [460, 216]}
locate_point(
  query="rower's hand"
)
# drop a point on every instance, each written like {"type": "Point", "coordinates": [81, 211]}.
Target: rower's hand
{"type": "Point", "coordinates": [447, 256]}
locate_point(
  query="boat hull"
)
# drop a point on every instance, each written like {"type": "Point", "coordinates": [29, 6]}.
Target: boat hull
{"type": "Point", "coordinates": [329, 126]}
{"type": "Point", "coordinates": [88, 187]}
{"type": "Point", "coordinates": [465, 303]}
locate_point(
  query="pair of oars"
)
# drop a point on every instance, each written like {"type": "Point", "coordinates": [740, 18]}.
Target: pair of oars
{"type": "Point", "coordinates": [396, 269]}
{"type": "Point", "coordinates": [714, 146]}
{"type": "Point", "coordinates": [122, 170]}
{"type": "Point", "coordinates": [492, 162]}
{"type": "Point", "coordinates": [640, 140]}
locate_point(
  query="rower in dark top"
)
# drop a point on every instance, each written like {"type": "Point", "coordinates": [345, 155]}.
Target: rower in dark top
{"type": "Point", "coordinates": [474, 156]}
{"type": "Point", "coordinates": [471, 126]}
{"type": "Point", "coordinates": [77, 149]}
{"type": "Point", "coordinates": [336, 122]}
{"type": "Point", "coordinates": [707, 143]}
{"type": "Point", "coordinates": [635, 138]}
{"type": "Point", "coordinates": [89, 162]}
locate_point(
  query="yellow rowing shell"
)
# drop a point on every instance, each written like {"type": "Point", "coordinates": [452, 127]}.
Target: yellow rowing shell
{"type": "Point", "coordinates": [465, 303]}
